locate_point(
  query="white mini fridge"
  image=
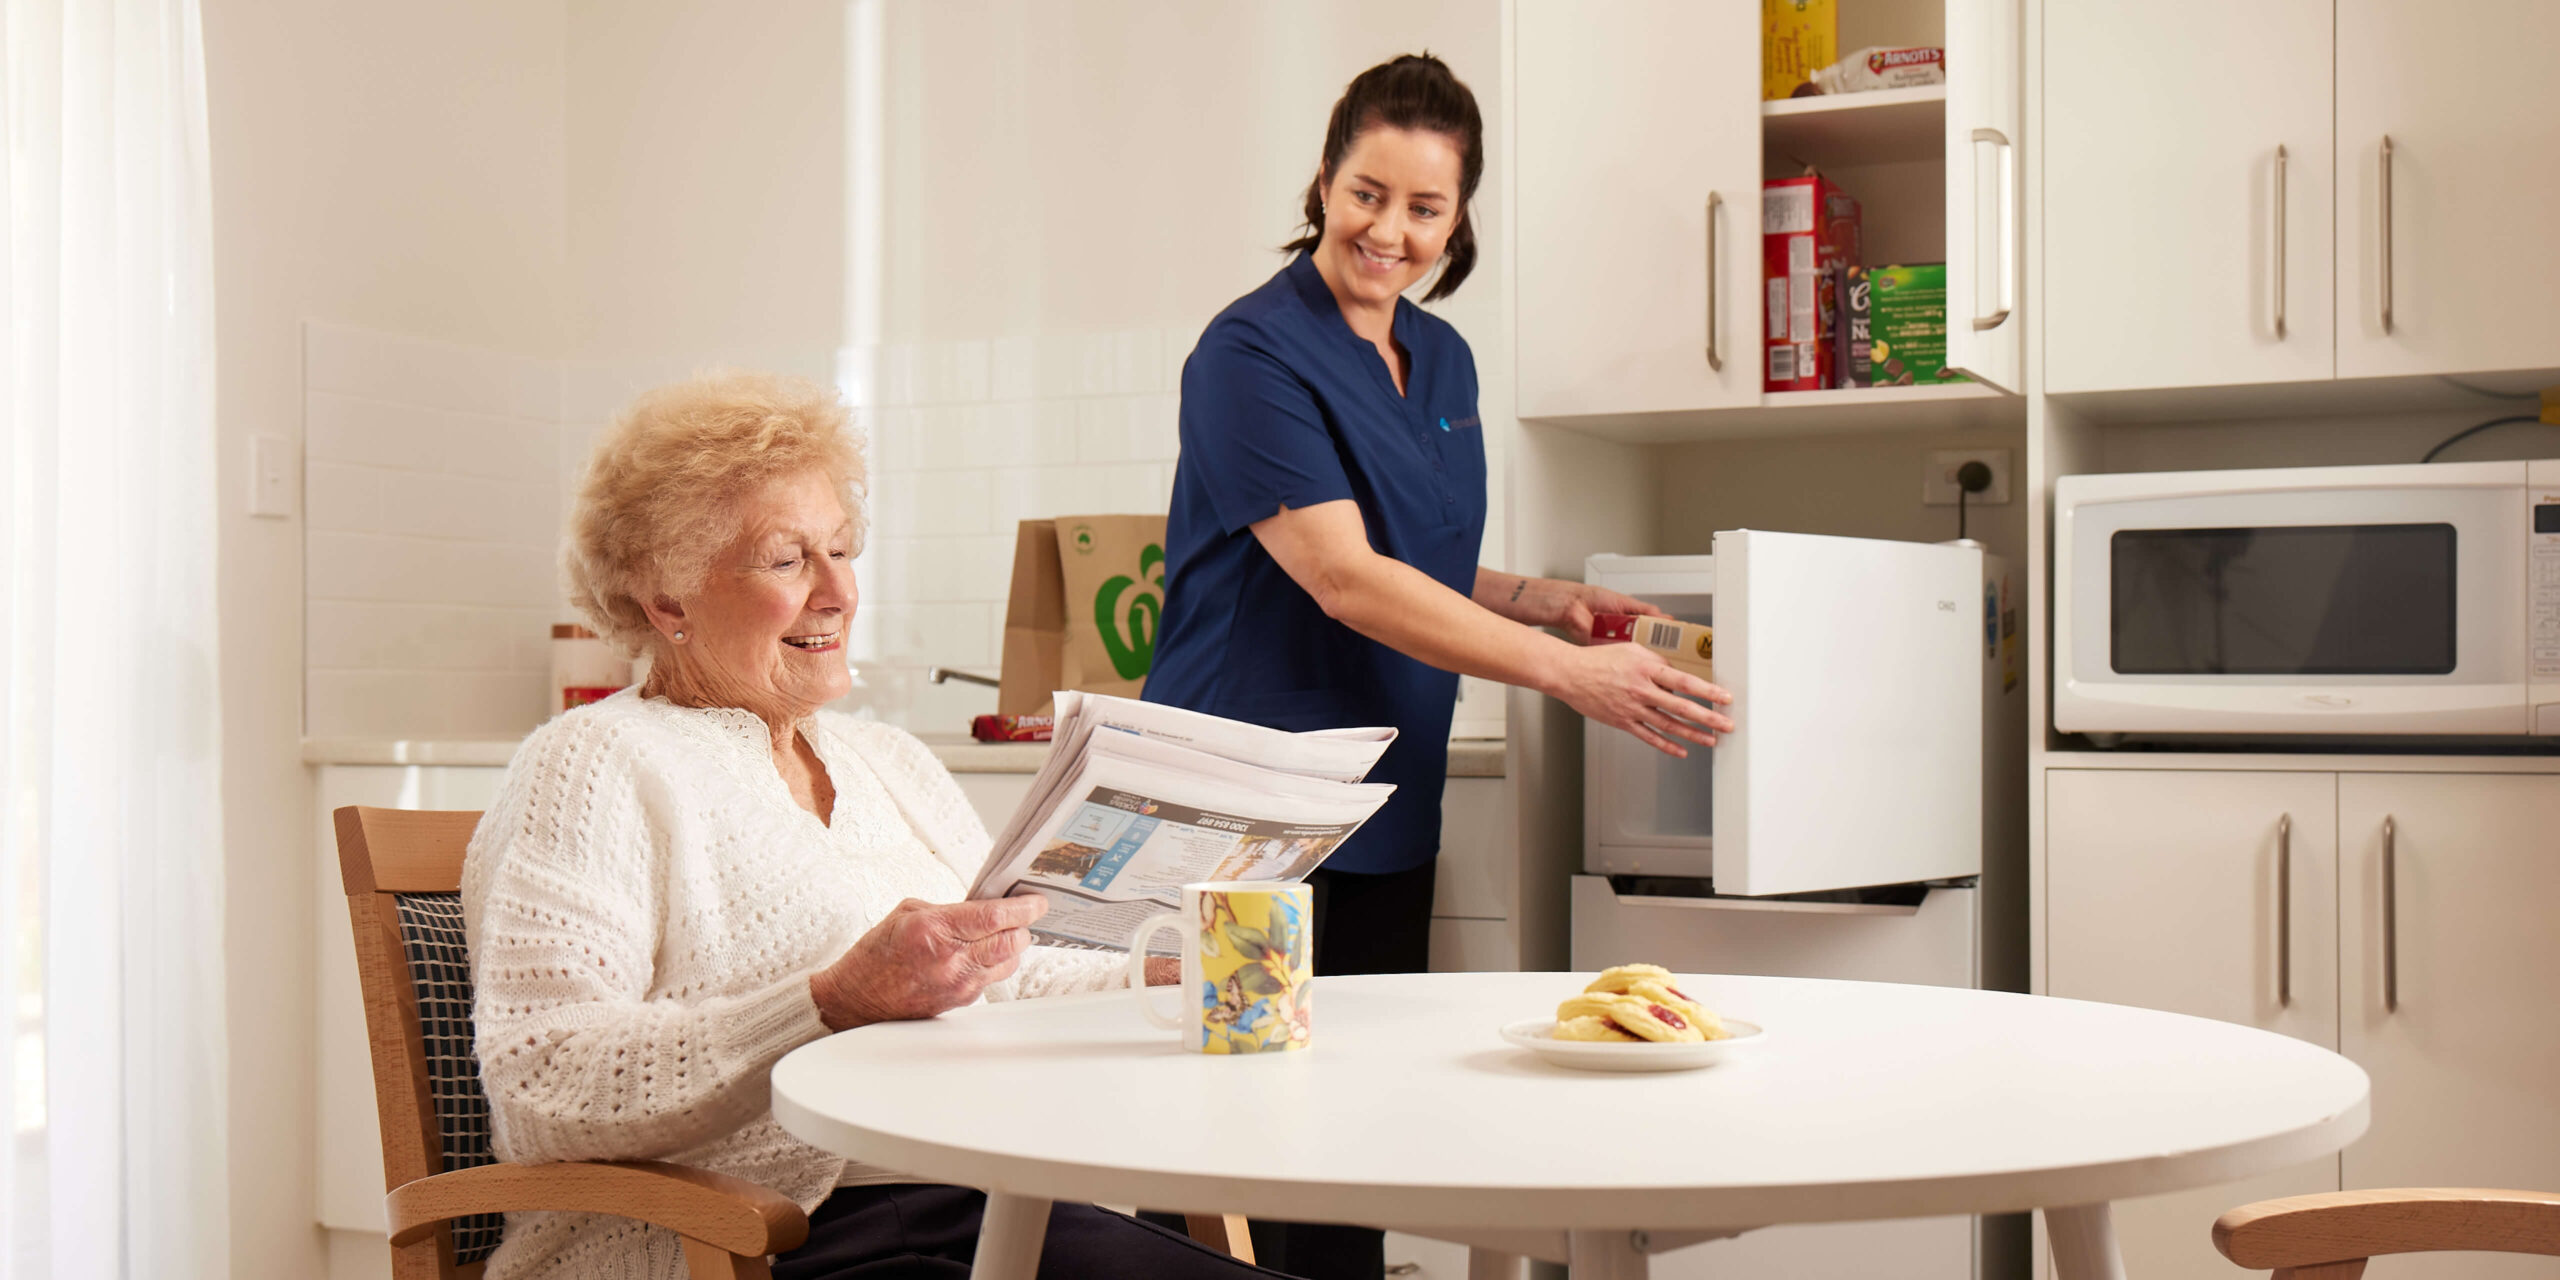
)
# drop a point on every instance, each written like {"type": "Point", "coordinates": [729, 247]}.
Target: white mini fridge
{"type": "Point", "coordinates": [1867, 820]}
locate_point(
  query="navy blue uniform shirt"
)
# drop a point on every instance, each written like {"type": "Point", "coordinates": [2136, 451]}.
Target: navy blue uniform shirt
{"type": "Point", "coordinates": [1284, 406]}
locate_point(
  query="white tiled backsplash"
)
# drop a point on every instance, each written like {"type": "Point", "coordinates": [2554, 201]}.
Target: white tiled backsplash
{"type": "Point", "coordinates": [970, 438]}
{"type": "Point", "coordinates": [437, 475]}
{"type": "Point", "coordinates": [432, 499]}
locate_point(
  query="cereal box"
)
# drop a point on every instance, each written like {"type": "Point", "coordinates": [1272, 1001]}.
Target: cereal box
{"type": "Point", "coordinates": [1909, 325]}
{"type": "Point", "coordinates": [1809, 235]}
{"type": "Point", "coordinates": [1796, 36]}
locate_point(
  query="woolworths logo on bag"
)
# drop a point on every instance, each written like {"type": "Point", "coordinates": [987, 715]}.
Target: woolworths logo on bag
{"type": "Point", "coordinates": [1126, 609]}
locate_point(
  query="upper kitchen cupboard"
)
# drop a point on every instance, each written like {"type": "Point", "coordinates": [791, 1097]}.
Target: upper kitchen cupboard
{"type": "Point", "coordinates": [2298, 190]}
{"type": "Point", "coordinates": [1638, 155]}
{"type": "Point", "coordinates": [2187, 194]}
{"type": "Point", "coordinates": [2448, 187]}
{"type": "Point", "coordinates": [1639, 146]}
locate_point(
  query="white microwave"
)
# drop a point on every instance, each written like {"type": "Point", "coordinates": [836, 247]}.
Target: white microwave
{"type": "Point", "coordinates": [2316, 602]}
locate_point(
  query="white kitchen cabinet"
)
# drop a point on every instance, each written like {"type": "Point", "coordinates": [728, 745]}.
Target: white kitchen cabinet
{"type": "Point", "coordinates": [2463, 259]}
{"type": "Point", "coordinates": [2205, 893]}
{"type": "Point", "coordinates": [1986, 326]}
{"type": "Point", "coordinates": [2435, 887]}
{"type": "Point", "coordinates": [2187, 187]}
{"type": "Point", "coordinates": [1637, 156]}
{"type": "Point", "coordinates": [2449, 884]}
{"type": "Point", "coordinates": [2404, 231]}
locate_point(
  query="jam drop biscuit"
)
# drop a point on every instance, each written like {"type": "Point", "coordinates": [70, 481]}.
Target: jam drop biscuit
{"type": "Point", "coordinates": [1616, 980]}
{"type": "Point", "coordinates": [1704, 1019]}
{"type": "Point", "coordinates": [1642, 1018]}
{"type": "Point", "coordinates": [1591, 1028]}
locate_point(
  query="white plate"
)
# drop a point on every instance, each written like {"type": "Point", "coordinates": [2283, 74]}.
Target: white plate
{"type": "Point", "coordinates": [1537, 1035]}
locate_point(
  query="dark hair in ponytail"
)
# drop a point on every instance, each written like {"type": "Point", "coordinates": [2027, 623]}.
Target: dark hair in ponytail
{"type": "Point", "coordinates": [1415, 91]}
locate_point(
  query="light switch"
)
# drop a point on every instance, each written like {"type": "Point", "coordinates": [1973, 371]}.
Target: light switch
{"type": "Point", "coordinates": [271, 476]}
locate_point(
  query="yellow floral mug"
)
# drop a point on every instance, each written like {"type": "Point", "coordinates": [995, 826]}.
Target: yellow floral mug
{"type": "Point", "coordinates": [1248, 958]}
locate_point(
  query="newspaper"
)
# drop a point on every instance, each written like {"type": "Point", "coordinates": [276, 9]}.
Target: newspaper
{"type": "Point", "coordinates": [1137, 800]}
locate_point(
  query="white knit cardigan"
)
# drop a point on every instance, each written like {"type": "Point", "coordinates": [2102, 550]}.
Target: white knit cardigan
{"type": "Point", "coordinates": [645, 903]}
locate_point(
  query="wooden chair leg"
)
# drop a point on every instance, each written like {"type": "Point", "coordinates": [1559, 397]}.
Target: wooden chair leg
{"type": "Point", "coordinates": [1224, 1232]}
{"type": "Point", "coordinates": [708, 1262]}
{"type": "Point", "coordinates": [2351, 1269]}
{"type": "Point", "coordinates": [425, 1260]}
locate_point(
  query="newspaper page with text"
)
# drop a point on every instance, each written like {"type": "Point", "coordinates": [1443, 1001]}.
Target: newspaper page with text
{"type": "Point", "coordinates": [1133, 805]}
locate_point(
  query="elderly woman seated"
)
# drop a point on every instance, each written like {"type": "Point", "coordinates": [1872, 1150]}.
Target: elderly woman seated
{"type": "Point", "coordinates": [683, 882]}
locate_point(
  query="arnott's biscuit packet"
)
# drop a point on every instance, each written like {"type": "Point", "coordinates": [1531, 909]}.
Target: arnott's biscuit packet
{"type": "Point", "coordinates": [1882, 68]}
{"type": "Point", "coordinates": [1690, 646]}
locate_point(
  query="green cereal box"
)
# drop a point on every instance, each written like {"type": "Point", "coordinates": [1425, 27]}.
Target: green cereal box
{"type": "Point", "coordinates": [1909, 325]}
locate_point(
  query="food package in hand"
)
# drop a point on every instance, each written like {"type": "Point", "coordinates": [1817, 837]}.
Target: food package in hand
{"type": "Point", "coordinates": [1809, 234]}
{"type": "Point", "coordinates": [1882, 68]}
{"type": "Point", "coordinates": [1689, 646]}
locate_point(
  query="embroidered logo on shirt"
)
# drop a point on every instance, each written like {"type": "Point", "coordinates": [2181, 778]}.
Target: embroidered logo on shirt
{"type": "Point", "coordinates": [1461, 424]}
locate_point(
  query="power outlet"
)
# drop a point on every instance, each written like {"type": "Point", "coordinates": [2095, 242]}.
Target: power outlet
{"type": "Point", "coordinates": [1938, 480]}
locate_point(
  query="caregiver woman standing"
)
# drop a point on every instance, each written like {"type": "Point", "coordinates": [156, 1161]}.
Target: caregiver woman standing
{"type": "Point", "coordinates": [1327, 510]}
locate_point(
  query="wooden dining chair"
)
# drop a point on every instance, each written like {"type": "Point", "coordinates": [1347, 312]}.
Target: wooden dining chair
{"type": "Point", "coordinates": [2332, 1235]}
{"type": "Point", "coordinates": [403, 875]}
{"type": "Point", "coordinates": [402, 869]}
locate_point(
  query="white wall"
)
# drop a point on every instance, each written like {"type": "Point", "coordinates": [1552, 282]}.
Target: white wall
{"type": "Point", "coordinates": [391, 168]}
{"type": "Point", "coordinates": [1072, 191]}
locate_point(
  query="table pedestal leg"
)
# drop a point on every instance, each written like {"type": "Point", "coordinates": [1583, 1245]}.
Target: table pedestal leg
{"type": "Point", "coordinates": [2084, 1243]}
{"type": "Point", "coordinates": [1488, 1264]}
{"type": "Point", "coordinates": [1610, 1255]}
{"type": "Point", "coordinates": [1009, 1238]}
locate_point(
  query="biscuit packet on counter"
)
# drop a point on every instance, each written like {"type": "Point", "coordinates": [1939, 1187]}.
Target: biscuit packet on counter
{"type": "Point", "coordinates": [1868, 70]}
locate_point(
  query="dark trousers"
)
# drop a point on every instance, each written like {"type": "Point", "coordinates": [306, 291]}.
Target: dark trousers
{"type": "Point", "coordinates": [1364, 924]}
{"type": "Point", "coordinates": [918, 1232]}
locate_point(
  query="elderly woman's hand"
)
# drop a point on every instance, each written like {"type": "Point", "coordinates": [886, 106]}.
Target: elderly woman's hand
{"type": "Point", "coordinates": [922, 959]}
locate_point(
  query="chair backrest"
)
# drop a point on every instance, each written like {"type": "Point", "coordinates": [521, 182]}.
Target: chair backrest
{"type": "Point", "coordinates": [403, 874]}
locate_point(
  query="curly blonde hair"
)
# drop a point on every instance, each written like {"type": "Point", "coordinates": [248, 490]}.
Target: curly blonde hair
{"type": "Point", "coordinates": [661, 491]}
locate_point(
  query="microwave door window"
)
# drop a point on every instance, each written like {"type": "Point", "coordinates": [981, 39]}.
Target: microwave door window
{"type": "Point", "coordinates": [2329, 600]}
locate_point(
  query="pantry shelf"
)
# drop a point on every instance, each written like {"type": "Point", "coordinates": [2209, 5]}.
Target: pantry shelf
{"type": "Point", "coordinates": [1947, 406]}
{"type": "Point", "coordinates": [1833, 130]}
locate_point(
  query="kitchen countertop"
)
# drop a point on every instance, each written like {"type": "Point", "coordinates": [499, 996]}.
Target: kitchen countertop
{"type": "Point", "coordinates": [1468, 757]}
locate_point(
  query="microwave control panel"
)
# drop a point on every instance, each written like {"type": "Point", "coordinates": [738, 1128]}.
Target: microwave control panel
{"type": "Point", "coordinates": [2545, 590]}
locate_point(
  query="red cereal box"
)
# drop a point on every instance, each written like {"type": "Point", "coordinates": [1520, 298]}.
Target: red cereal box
{"type": "Point", "coordinates": [1809, 236]}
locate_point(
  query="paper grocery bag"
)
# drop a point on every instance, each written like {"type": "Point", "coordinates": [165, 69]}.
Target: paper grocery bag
{"type": "Point", "coordinates": [1087, 594]}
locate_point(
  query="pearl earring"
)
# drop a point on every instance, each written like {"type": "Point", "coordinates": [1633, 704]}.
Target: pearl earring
{"type": "Point", "coordinates": [679, 637]}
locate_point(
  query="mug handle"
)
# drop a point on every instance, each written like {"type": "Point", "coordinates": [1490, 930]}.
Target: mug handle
{"type": "Point", "coordinates": [1138, 939]}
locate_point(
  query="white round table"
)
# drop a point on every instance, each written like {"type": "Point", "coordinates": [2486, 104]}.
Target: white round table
{"type": "Point", "coordinates": [1862, 1101]}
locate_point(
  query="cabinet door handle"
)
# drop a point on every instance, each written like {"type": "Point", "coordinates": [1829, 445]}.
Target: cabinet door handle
{"type": "Point", "coordinates": [2284, 911]}
{"type": "Point", "coordinates": [2385, 226]}
{"type": "Point", "coordinates": [2008, 229]}
{"type": "Point", "coordinates": [2390, 915]}
{"type": "Point", "coordinates": [2280, 186]}
{"type": "Point", "coordinates": [1715, 353]}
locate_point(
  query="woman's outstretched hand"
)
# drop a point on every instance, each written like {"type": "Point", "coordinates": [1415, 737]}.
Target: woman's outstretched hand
{"type": "Point", "coordinates": [922, 959]}
{"type": "Point", "coordinates": [1588, 600]}
{"type": "Point", "coordinates": [1630, 687]}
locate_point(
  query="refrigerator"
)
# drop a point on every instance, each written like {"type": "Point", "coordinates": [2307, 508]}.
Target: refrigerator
{"type": "Point", "coordinates": [1866, 820]}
